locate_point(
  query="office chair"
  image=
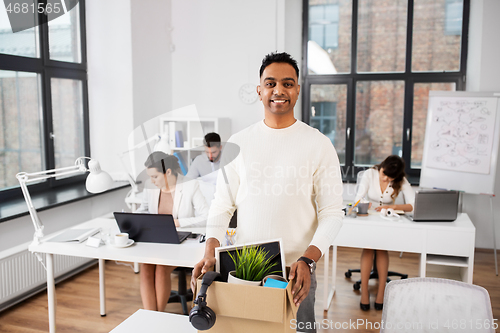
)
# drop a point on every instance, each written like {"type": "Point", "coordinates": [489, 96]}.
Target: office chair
{"type": "Point", "coordinates": [182, 294]}
{"type": "Point", "coordinates": [374, 272]}
{"type": "Point", "coordinates": [436, 305]}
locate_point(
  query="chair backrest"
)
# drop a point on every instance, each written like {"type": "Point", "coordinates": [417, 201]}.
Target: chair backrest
{"type": "Point", "coordinates": [436, 305]}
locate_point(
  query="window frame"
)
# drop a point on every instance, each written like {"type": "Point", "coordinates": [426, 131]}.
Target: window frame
{"type": "Point", "coordinates": [47, 69]}
{"type": "Point", "coordinates": [349, 169]}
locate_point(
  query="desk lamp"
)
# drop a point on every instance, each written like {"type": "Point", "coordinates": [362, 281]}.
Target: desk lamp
{"type": "Point", "coordinates": [97, 181]}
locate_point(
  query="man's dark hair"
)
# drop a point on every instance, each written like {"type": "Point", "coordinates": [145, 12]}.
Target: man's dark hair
{"type": "Point", "coordinates": [162, 162]}
{"type": "Point", "coordinates": [278, 57]}
{"type": "Point", "coordinates": [212, 140]}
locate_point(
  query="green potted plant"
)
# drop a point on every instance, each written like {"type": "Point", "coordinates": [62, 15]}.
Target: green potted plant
{"type": "Point", "coordinates": [251, 266]}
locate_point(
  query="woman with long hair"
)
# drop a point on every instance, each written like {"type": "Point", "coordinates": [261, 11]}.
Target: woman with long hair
{"type": "Point", "coordinates": [381, 185]}
{"type": "Point", "coordinates": [175, 195]}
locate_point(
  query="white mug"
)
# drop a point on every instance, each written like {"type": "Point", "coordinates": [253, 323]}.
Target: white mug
{"type": "Point", "coordinates": [121, 239]}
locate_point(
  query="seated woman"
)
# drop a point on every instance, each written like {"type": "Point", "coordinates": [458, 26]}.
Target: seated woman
{"type": "Point", "coordinates": [381, 185]}
{"type": "Point", "coordinates": [185, 202]}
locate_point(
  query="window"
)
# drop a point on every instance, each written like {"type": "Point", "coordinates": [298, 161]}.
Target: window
{"type": "Point", "coordinates": [324, 25]}
{"type": "Point", "coordinates": [43, 98]}
{"type": "Point", "coordinates": [454, 9]}
{"type": "Point", "coordinates": [328, 112]}
{"type": "Point", "coordinates": [369, 95]}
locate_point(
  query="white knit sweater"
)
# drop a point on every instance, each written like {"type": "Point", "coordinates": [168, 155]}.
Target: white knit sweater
{"type": "Point", "coordinates": [286, 183]}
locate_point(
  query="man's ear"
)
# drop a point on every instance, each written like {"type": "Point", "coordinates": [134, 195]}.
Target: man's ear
{"type": "Point", "coordinates": [258, 92]}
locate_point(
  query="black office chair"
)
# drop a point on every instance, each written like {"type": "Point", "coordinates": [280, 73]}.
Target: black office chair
{"type": "Point", "coordinates": [182, 294]}
{"type": "Point", "coordinates": [373, 274]}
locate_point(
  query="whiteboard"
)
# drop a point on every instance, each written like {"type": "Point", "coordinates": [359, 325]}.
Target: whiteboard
{"type": "Point", "coordinates": [461, 141]}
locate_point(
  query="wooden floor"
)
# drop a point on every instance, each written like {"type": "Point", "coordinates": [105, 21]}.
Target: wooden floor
{"type": "Point", "coordinates": [78, 297]}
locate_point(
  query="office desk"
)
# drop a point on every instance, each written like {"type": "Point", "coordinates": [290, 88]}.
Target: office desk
{"type": "Point", "coordinates": [155, 322]}
{"type": "Point", "coordinates": [186, 254]}
{"type": "Point", "coordinates": [439, 243]}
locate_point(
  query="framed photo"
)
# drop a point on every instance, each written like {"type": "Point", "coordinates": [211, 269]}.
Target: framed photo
{"type": "Point", "coordinates": [274, 248]}
{"type": "Point", "coordinates": [197, 142]}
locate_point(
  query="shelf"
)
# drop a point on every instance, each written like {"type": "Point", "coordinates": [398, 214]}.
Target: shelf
{"type": "Point", "coordinates": [193, 131]}
{"type": "Point", "coordinates": [186, 149]}
{"type": "Point", "coordinates": [433, 259]}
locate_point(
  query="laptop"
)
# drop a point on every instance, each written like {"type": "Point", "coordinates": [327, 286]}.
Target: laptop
{"type": "Point", "coordinates": [434, 206]}
{"type": "Point", "coordinates": [150, 228]}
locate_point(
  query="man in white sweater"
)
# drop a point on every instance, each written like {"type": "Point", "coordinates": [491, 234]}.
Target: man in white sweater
{"type": "Point", "coordinates": [285, 182]}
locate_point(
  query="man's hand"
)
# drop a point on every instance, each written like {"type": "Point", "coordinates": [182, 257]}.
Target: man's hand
{"type": "Point", "coordinates": [207, 263]}
{"type": "Point", "coordinates": [300, 271]}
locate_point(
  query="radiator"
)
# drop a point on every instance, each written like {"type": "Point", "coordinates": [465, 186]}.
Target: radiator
{"type": "Point", "coordinates": [22, 275]}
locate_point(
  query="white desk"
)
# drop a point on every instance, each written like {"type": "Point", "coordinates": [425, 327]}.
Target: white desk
{"type": "Point", "coordinates": [186, 254]}
{"type": "Point", "coordinates": [439, 243]}
{"type": "Point", "coordinates": [155, 322]}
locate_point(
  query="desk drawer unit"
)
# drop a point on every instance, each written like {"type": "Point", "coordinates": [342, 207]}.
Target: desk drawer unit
{"type": "Point", "coordinates": [369, 236]}
{"type": "Point", "coordinates": [450, 242]}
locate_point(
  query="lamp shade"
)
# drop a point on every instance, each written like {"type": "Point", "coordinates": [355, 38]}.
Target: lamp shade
{"type": "Point", "coordinates": [97, 181]}
{"type": "Point", "coordinates": [163, 145]}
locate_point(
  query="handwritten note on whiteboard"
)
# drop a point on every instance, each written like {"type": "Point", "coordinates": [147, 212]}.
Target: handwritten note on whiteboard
{"type": "Point", "coordinates": [461, 133]}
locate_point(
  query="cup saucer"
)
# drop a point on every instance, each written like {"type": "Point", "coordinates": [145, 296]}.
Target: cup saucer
{"type": "Point", "coordinates": [130, 242]}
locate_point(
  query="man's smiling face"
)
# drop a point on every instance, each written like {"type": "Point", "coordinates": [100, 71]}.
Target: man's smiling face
{"type": "Point", "coordinates": [279, 89]}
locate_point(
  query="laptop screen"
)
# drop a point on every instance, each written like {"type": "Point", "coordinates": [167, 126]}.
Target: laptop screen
{"type": "Point", "coordinates": [151, 228]}
{"type": "Point", "coordinates": [435, 206]}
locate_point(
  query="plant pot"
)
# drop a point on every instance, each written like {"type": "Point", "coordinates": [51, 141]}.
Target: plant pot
{"type": "Point", "coordinates": [233, 279]}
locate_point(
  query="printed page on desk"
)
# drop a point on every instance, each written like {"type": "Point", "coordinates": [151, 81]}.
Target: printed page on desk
{"type": "Point", "coordinates": [74, 235]}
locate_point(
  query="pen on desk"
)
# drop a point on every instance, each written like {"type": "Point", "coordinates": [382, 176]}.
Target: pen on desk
{"type": "Point", "coordinates": [350, 210]}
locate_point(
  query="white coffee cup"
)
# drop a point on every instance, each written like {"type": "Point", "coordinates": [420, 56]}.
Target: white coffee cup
{"type": "Point", "coordinates": [121, 239]}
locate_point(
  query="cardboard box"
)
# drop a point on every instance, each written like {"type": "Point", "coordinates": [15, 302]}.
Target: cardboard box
{"type": "Point", "coordinates": [250, 309]}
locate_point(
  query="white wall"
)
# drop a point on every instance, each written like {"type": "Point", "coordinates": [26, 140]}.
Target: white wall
{"type": "Point", "coordinates": [151, 58]}
{"type": "Point", "coordinates": [109, 52]}
{"type": "Point", "coordinates": [219, 46]}
{"type": "Point", "coordinates": [483, 73]}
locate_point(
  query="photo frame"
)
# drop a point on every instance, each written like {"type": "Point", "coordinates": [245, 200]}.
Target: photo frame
{"type": "Point", "coordinates": [225, 264]}
{"type": "Point", "coordinates": [197, 142]}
